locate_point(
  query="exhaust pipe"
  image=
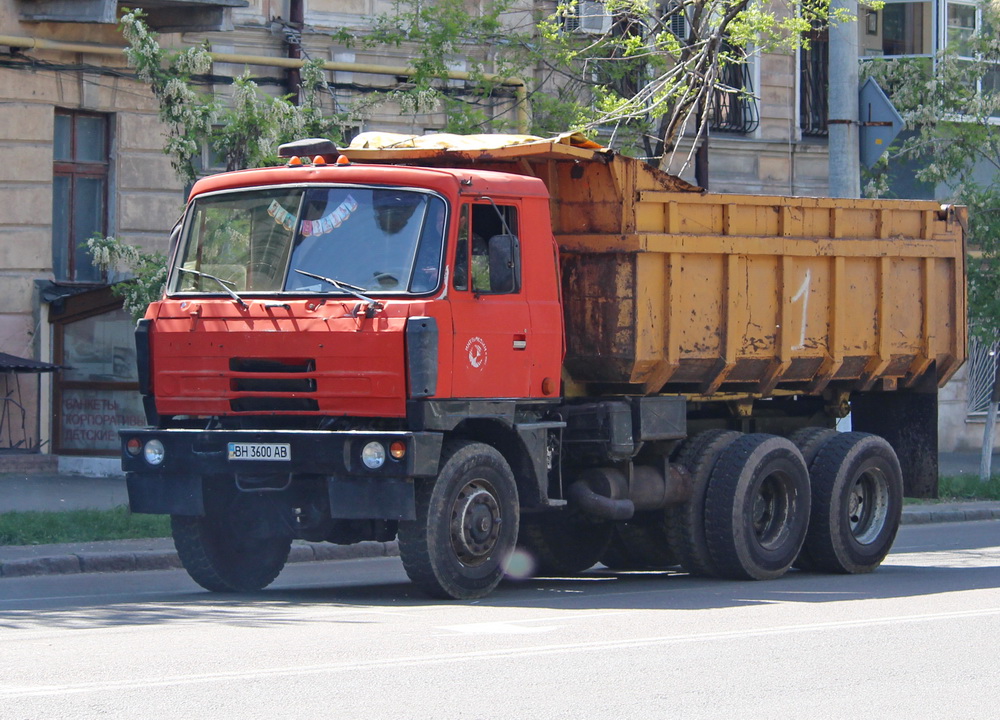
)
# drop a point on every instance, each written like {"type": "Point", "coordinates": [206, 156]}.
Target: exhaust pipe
{"type": "Point", "coordinates": [606, 493]}
{"type": "Point", "coordinates": [601, 492]}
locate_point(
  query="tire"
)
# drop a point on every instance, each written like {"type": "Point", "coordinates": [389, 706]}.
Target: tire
{"type": "Point", "coordinates": [686, 521]}
{"type": "Point", "coordinates": [564, 545]}
{"type": "Point", "coordinates": [239, 545]}
{"type": "Point", "coordinates": [857, 491]}
{"type": "Point", "coordinates": [809, 440]}
{"type": "Point", "coordinates": [466, 526]}
{"type": "Point", "coordinates": [757, 508]}
{"type": "Point", "coordinates": [638, 545]}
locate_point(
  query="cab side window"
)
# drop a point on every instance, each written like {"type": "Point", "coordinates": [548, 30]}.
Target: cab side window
{"type": "Point", "coordinates": [485, 230]}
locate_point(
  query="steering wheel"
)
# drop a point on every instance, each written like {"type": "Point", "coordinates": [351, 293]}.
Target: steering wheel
{"type": "Point", "coordinates": [386, 281]}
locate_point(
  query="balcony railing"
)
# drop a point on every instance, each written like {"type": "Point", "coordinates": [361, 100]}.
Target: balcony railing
{"type": "Point", "coordinates": [735, 112]}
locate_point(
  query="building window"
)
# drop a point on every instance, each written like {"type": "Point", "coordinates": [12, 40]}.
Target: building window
{"type": "Point", "coordinates": [814, 78]}
{"type": "Point", "coordinates": [79, 192]}
{"type": "Point", "coordinates": [735, 108]}
{"type": "Point", "coordinates": [906, 28]}
{"type": "Point", "coordinates": [982, 369]}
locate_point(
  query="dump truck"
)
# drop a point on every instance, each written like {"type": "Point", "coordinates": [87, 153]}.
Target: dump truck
{"type": "Point", "coordinates": [527, 356]}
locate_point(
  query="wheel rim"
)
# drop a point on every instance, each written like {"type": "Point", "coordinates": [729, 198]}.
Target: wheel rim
{"type": "Point", "coordinates": [868, 505]}
{"type": "Point", "coordinates": [475, 523]}
{"type": "Point", "coordinates": [771, 511]}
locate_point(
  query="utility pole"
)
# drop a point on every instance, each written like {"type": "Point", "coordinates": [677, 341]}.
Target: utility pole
{"type": "Point", "coordinates": [844, 163]}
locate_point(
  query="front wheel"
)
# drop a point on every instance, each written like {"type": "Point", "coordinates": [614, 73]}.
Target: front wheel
{"type": "Point", "coordinates": [466, 526]}
{"type": "Point", "coordinates": [240, 544]}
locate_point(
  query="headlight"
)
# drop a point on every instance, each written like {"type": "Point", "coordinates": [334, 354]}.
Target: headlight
{"type": "Point", "coordinates": [373, 455]}
{"type": "Point", "coordinates": [153, 452]}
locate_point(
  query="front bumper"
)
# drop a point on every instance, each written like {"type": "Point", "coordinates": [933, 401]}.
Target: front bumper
{"type": "Point", "coordinates": [174, 486]}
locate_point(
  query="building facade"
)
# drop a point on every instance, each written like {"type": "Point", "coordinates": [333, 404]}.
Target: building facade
{"type": "Point", "coordinates": [82, 156]}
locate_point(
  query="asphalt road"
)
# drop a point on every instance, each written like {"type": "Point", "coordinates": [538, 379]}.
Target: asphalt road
{"type": "Point", "coordinates": [916, 639]}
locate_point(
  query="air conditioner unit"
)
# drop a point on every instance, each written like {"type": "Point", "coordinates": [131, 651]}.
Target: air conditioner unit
{"type": "Point", "coordinates": [590, 17]}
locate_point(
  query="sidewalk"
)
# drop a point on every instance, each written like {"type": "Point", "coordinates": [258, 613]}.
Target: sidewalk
{"type": "Point", "coordinates": [56, 492]}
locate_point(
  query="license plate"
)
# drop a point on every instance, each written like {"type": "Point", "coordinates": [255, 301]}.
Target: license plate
{"type": "Point", "coordinates": [260, 451]}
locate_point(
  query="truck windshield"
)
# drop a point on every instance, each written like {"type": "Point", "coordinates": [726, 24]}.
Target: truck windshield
{"type": "Point", "coordinates": [379, 240]}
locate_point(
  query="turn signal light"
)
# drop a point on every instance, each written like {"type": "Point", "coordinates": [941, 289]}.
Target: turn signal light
{"type": "Point", "coordinates": [133, 446]}
{"type": "Point", "coordinates": [397, 449]}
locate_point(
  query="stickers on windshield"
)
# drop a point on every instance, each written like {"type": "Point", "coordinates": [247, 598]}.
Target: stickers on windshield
{"type": "Point", "coordinates": [321, 226]}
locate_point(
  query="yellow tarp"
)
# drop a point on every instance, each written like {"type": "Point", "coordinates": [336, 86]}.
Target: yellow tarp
{"type": "Point", "coordinates": [448, 141]}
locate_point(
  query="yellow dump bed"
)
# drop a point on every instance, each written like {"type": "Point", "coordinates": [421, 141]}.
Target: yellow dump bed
{"type": "Point", "coordinates": [669, 289]}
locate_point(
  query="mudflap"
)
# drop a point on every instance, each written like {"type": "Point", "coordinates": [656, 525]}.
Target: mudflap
{"type": "Point", "coordinates": [908, 420]}
{"type": "Point", "coordinates": [165, 494]}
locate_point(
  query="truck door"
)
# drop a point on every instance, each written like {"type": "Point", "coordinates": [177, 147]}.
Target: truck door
{"type": "Point", "coordinates": [492, 326]}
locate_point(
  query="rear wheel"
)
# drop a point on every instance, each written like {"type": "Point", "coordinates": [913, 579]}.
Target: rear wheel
{"type": "Point", "coordinates": [757, 508]}
{"type": "Point", "coordinates": [240, 544]}
{"type": "Point", "coordinates": [809, 440]}
{"type": "Point", "coordinates": [466, 526]}
{"type": "Point", "coordinates": [686, 520]}
{"type": "Point", "coordinates": [857, 502]}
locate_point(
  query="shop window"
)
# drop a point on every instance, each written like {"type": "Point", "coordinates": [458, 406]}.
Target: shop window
{"type": "Point", "coordinates": [79, 192]}
{"type": "Point", "coordinates": [97, 391]}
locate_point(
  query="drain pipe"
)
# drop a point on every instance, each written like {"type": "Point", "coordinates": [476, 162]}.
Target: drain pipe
{"type": "Point", "coordinates": [293, 38]}
{"type": "Point", "coordinates": [517, 84]}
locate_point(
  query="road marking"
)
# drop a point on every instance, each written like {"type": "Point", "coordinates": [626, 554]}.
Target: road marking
{"type": "Point", "coordinates": [517, 627]}
{"type": "Point", "coordinates": [354, 666]}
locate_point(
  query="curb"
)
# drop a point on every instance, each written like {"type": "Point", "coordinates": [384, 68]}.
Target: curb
{"type": "Point", "coordinates": [925, 517]}
{"type": "Point", "coordinates": [95, 562]}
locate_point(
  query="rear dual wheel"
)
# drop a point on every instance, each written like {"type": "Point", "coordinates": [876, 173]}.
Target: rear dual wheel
{"type": "Point", "coordinates": [757, 508]}
{"type": "Point", "coordinates": [857, 491]}
{"type": "Point", "coordinates": [686, 520]}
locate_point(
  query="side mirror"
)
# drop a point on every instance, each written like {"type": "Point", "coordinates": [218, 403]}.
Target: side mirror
{"type": "Point", "coordinates": [505, 269]}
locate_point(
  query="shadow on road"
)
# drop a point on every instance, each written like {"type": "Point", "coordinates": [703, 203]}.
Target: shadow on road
{"type": "Point", "coordinates": [597, 589]}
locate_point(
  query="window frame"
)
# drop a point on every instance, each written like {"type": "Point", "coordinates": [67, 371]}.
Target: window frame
{"type": "Point", "coordinates": [74, 170]}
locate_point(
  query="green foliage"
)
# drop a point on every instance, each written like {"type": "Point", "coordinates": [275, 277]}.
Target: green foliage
{"type": "Point", "coordinates": [969, 487]}
{"type": "Point", "coordinates": [440, 36]}
{"type": "Point", "coordinates": [149, 269]}
{"type": "Point", "coordinates": [657, 83]}
{"type": "Point", "coordinates": [956, 141]}
{"type": "Point", "coordinates": [244, 131]}
{"type": "Point", "coordinates": [74, 526]}
{"type": "Point", "coordinates": [638, 81]}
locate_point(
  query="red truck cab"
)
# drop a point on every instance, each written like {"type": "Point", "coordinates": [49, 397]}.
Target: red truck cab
{"type": "Point", "coordinates": [306, 289]}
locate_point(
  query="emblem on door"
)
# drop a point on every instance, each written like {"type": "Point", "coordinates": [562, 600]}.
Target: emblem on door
{"type": "Point", "coordinates": [475, 350]}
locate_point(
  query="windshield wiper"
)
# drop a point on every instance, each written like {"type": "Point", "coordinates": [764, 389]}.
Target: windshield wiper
{"type": "Point", "coordinates": [224, 284]}
{"type": "Point", "coordinates": [354, 290]}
